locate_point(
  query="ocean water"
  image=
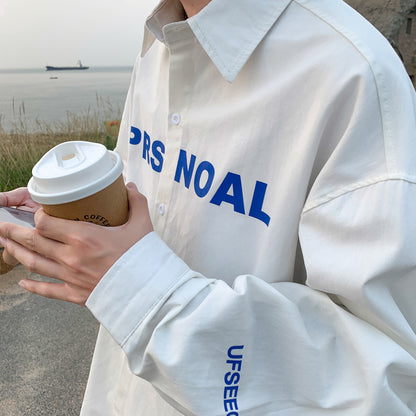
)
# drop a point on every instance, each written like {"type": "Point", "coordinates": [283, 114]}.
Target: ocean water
{"type": "Point", "coordinates": [35, 94]}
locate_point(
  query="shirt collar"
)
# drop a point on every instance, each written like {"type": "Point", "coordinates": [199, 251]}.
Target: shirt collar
{"type": "Point", "coordinates": [228, 33]}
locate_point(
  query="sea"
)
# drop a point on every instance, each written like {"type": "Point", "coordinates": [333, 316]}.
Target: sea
{"type": "Point", "coordinates": [37, 97]}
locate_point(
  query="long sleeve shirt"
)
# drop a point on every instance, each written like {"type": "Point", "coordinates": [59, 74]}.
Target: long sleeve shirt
{"type": "Point", "coordinates": [275, 142]}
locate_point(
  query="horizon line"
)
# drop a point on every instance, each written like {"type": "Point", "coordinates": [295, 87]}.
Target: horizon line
{"type": "Point", "coordinates": [43, 67]}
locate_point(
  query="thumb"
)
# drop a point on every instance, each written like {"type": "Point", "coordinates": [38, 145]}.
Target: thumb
{"type": "Point", "coordinates": [132, 186]}
{"type": "Point", "coordinates": [4, 199]}
{"type": "Point", "coordinates": [133, 194]}
{"type": "Point", "coordinates": [139, 210]}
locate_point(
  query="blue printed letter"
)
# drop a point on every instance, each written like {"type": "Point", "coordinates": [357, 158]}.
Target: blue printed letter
{"type": "Point", "coordinates": [135, 135]}
{"type": "Point", "coordinates": [183, 167]}
{"type": "Point", "coordinates": [236, 199]}
{"type": "Point", "coordinates": [232, 355]}
{"type": "Point", "coordinates": [146, 147]}
{"type": "Point", "coordinates": [201, 192]}
{"type": "Point", "coordinates": [257, 203]}
{"type": "Point", "coordinates": [158, 148]}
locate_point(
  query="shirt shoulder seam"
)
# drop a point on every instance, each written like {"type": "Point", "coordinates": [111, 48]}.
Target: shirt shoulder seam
{"type": "Point", "coordinates": [378, 82]}
{"type": "Point", "coordinates": [324, 199]}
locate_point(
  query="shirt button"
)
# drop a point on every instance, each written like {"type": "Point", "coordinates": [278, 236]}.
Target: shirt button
{"type": "Point", "coordinates": [162, 209]}
{"type": "Point", "coordinates": [176, 119]}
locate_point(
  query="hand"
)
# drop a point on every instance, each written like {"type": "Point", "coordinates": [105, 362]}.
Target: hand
{"type": "Point", "coordinates": [19, 198]}
{"type": "Point", "coordinates": [77, 253]}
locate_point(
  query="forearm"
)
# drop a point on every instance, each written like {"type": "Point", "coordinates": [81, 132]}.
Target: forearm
{"type": "Point", "coordinates": [262, 347]}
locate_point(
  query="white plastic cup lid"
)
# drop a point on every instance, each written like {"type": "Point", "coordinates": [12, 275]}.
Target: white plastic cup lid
{"type": "Point", "coordinates": [72, 171]}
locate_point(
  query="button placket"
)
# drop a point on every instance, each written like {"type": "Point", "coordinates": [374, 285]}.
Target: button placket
{"type": "Point", "coordinates": [176, 119]}
{"type": "Point", "coordinates": [162, 209]}
{"type": "Point", "coordinates": [179, 42]}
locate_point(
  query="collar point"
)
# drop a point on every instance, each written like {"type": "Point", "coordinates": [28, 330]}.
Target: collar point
{"type": "Point", "coordinates": [230, 78]}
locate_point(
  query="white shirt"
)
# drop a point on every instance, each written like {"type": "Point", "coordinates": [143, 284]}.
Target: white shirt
{"type": "Point", "coordinates": [275, 142]}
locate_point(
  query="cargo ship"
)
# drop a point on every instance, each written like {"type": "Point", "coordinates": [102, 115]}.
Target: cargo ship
{"type": "Point", "coordinates": [66, 68]}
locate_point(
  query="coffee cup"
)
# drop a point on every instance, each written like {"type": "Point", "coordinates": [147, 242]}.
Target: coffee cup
{"type": "Point", "coordinates": [81, 181]}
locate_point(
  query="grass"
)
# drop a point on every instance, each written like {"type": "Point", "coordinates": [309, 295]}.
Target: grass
{"type": "Point", "coordinates": [21, 147]}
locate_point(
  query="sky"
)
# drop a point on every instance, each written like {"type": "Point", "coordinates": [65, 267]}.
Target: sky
{"type": "Point", "coordinates": [61, 32]}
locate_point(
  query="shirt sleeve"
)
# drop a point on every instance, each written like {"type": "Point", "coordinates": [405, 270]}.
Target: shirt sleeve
{"type": "Point", "coordinates": [345, 342]}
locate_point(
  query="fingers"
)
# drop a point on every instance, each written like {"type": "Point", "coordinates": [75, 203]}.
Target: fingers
{"type": "Point", "coordinates": [33, 261]}
{"type": "Point", "coordinates": [14, 197]}
{"type": "Point", "coordinates": [9, 259]}
{"type": "Point", "coordinates": [58, 229]}
{"type": "Point", "coordinates": [19, 197]}
{"type": "Point", "coordinates": [65, 231]}
{"type": "Point", "coordinates": [36, 263]}
{"type": "Point", "coordinates": [7, 262]}
{"type": "Point", "coordinates": [60, 291]}
{"type": "Point", "coordinates": [30, 239]}
{"type": "Point", "coordinates": [27, 246]}
{"type": "Point", "coordinates": [5, 267]}
{"type": "Point", "coordinates": [76, 253]}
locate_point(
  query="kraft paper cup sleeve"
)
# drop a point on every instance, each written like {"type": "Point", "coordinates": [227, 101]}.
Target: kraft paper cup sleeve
{"type": "Point", "coordinates": [109, 207]}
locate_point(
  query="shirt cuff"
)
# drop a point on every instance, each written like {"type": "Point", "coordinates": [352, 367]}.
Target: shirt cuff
{"type": "Point", "coordinates": [138, 282]}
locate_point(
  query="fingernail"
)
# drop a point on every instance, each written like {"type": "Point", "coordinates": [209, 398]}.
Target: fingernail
{"type": "Point", "coordinates": [131, 185]}
{"type": "Point", "coordinates": [22, 284]}
{"type": "Point", "coordinates": [3, 241]}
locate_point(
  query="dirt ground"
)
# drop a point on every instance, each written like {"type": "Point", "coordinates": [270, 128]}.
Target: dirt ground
{"type": "Point", "coordinates": [46, 348]}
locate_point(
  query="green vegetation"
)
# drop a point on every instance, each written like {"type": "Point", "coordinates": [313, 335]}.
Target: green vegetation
{"type": "Point", "coordinates": [20, 148]}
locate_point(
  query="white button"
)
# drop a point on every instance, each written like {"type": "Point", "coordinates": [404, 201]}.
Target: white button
{"type": "Point", "coordinates": [176, 119]}
{"type": "Point", "coordinates": [162, 209]}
